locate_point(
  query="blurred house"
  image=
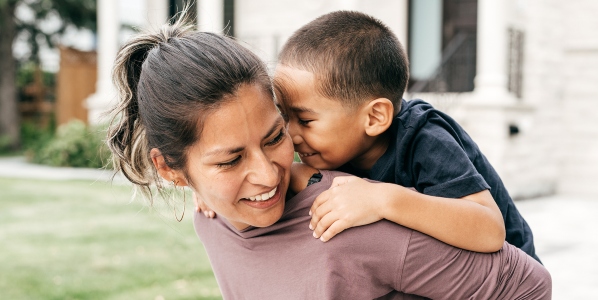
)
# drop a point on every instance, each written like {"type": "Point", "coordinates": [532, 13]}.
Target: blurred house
{"type": "Point", "coordinates": [520, 75]}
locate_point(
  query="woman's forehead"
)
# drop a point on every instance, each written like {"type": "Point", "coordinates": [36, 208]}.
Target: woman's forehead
{"type": "Point", "coordinates": [245, 118]}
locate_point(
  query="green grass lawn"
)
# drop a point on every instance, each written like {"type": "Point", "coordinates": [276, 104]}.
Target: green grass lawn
{"type": "Point", "coordinates": [88, 240]}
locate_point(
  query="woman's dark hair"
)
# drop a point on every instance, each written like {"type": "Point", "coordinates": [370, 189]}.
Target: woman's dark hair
{"type": "Point", "coordinates": [167, 81]}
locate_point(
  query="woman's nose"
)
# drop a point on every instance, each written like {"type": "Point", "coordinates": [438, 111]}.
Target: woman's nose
{"type": "Point", "coordinates": [263, 171]}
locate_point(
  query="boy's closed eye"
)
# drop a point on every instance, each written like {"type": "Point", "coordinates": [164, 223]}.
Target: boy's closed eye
{"type": "Point", "coordinates": [303, 122]}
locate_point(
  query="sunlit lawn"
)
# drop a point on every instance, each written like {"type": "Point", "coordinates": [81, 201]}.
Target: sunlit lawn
{"type": "Point", "coordinates": [87, 240]}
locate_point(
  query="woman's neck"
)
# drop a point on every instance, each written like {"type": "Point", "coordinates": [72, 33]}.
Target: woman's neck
{"type": "Point", "coordinates": [300, 175]}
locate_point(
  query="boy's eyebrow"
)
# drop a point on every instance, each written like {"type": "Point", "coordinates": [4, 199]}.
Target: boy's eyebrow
{"type": "Point", "coordinates": [302, 109]}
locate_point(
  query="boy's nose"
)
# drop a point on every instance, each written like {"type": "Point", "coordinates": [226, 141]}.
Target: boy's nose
{"type": "Point", "coordinates": [294, 132]}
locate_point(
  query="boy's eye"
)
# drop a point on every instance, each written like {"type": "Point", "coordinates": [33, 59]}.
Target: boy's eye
{"type": "Point", "coordinates": [276, 139]}
{"type": "Point", "coordinates": [230, 163]}
{"type": "Point", "coordinates": [303, 121]}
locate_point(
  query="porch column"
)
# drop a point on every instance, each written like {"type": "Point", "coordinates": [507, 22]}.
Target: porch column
{"type": "Point", "coordinates": [491, 107]}
{"type": "Point", "coordinates": [157, 13]}
{"type": "Point", "coordinates": [210, 15]}
{"type": "Point", "coordinates": [108, 28]}
{"type": "Point", "coordinates": [402, 30]}
{"type": "Point", "coordinates": [491, 79]}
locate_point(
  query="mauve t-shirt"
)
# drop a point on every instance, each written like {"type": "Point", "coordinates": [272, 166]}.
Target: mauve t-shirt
{"type": "Point", "coordinates": [380, 260]}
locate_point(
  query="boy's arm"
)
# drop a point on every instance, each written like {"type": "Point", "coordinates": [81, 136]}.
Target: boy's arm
{"type": "Point", "coordinates": [473, 222]}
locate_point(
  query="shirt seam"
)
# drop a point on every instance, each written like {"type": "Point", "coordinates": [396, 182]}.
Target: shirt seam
{"type": "Point", "coordinates": [402, 259]}
{"type": "Point", "coordinates": [474, 183]}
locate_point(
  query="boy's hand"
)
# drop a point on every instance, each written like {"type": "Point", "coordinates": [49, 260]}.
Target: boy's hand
{"type": "Point", "coordinates": [350, 201]}
{"type": "Point", "coordinates": [201, 206]}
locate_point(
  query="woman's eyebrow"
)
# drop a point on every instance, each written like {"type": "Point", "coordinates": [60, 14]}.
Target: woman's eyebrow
{"type": "Point", "coordinates": [239, 149]}
{"type": "Point", "coordinates": [225, 151]}
{"type": "Point", "coordinates": [277, 123]}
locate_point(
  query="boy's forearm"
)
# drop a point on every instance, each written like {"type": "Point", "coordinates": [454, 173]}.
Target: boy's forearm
{"type": "Point", "coordinates": [472, 223]}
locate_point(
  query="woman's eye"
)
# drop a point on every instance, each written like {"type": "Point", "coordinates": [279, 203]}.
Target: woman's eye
{"type": "Point", "coordinates": [230, 163]}
{"type": "Point", "coordinates": [303, 122]}
{"type": "Point", "coordinates": [276, 139]}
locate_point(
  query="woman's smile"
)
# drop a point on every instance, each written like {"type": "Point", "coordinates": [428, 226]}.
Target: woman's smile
{"type": "Point", "coordinates": [263, 201]}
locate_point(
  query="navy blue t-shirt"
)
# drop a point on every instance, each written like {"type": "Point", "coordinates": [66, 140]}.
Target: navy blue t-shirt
{"type": "Point", "coordinates": [434, 155]}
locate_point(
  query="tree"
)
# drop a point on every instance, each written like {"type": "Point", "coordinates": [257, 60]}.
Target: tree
{"type": "Point", "coordinates": [76, 13]}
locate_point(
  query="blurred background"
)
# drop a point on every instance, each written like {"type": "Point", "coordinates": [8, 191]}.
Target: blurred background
{"type": "Point", "coordinates": [521, 76]}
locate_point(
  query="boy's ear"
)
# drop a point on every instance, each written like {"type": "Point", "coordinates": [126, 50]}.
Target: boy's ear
{"type": "Point", "coordinates": [165, 171]}
{"type": "Point", "coordinates": [380, 113]}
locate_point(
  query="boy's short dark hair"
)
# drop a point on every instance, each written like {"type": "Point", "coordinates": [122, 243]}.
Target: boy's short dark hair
{"type": "Point", "coordinates": [354, 57]}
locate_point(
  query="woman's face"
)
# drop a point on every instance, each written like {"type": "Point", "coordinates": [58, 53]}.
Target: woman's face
{"type": "Point", "coordinates": [240, 167]}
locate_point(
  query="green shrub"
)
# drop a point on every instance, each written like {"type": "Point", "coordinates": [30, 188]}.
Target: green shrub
{"type": "Point", "coordinates": [34, 137]}
{"type": "Point", "coordinates": [73, 145]}
{"type": "Point", "coordinates": [4, 144]}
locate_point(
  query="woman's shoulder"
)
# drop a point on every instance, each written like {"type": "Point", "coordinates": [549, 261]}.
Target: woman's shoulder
{"type": "Point", "coordinates": [300, 175]}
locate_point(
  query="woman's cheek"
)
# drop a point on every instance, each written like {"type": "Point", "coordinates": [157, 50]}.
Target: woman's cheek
{"type": "Point", "coordinates": [287, 151]}
{"type": "Point", "coordinates": [220, 189]}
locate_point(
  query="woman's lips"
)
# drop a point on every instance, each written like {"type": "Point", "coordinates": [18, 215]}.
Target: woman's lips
{"type": "Point", "coordinates": [263, 204]}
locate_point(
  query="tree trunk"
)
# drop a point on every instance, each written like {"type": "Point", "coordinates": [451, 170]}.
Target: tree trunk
{"type": "Point", "coordinates": [10, 121]}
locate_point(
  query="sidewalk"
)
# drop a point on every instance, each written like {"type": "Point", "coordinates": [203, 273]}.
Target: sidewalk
{"type": "Point", "coordinates": [565, 227]}
{"type": "Point", "coordinates": [566, 239]}
{"type": "Point", "coordinates": [17, 167]}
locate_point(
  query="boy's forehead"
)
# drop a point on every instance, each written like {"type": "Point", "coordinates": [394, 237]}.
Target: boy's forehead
{"type": "Point", "coordinates": [292, 76]}
{"type": "Point", "coordinates": [296, 89]}
{"type": "Point", "coordinates": [286, 86]}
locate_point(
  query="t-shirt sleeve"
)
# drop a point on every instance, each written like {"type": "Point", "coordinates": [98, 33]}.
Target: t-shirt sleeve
{"type": "Point", "coordinates": [436, 270]}
{"type": "Point", "coordinates": [440, 164]}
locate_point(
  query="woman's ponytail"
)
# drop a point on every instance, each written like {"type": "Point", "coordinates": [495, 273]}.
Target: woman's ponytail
{"type": "Point", "coordinates": [126, 136]}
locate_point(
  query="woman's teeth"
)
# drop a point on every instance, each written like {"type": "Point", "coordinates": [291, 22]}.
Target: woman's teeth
{"type": "Point", "coordinates": [264, 196]}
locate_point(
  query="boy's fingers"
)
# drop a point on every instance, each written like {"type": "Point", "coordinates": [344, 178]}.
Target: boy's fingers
{"type": "Point", "coordinates": [322, 198]}
{"type": "Point", "coordinates": [337, 227]}
{"type": "Point", "coordinates": [340, 180]}
{"type": "Point", "coordinates": [197, 202]}
{"type": "Point", "coordinates": [324, 223]}
{"type": "Point", "coordinates": [200, 206]}
{"type": "Point", "coordinates": [318, 214]}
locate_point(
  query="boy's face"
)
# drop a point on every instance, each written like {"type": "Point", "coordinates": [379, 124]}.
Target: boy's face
{"type": "Point", "coordinates": [325, 134]}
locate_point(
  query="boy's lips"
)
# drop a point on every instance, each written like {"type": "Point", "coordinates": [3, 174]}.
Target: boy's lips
{"type": "Point", "coordinates": [303, 154]}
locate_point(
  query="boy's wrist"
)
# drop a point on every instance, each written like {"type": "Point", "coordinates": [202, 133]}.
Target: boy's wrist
{"type": "Point", "coordinates": [391, 195]}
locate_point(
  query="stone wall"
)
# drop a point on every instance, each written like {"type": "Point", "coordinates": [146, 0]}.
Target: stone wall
{"type": "Point", "coordinates": [579, 166]}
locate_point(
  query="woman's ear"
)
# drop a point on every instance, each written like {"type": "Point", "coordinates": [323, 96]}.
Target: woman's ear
{"type": "Point", "coordinates": [165, 171]}
{"type": "Point", "coordinates": [379, 116]}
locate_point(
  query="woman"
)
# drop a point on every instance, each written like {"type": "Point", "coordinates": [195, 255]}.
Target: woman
{"type": "Point", "coordinates": [197, 110]}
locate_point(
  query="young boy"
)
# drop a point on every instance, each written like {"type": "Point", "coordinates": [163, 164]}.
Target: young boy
{"type": "Point", "coordinates": [340, 81]}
